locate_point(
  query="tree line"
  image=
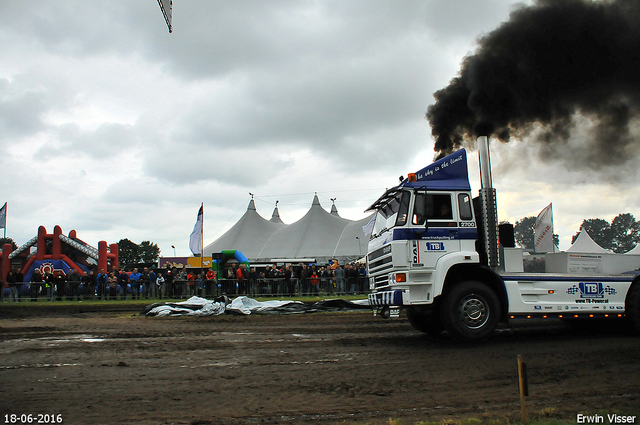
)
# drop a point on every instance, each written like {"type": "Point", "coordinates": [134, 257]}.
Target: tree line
{"type": "Point", "coordinates": [621, 235]}
{"type": "Point", "coordinates": [131, 253]}
{"type": "Point", "coordinates": [128, 252]}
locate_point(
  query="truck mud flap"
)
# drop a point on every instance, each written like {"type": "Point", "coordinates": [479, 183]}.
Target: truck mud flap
{"type": "Point", "coordinates": [387, 312]}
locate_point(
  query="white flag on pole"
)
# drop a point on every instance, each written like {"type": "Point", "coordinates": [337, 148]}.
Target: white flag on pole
{"type": "Point", "coordinates": [543, 231]}
{"type": "Point", "coordinates": [195, 241]}
{"type": "Point", "coordinates": [3, 216]}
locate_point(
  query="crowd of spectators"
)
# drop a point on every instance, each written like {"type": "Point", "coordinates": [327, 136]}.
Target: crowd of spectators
{"type": "Point", "coordinates": [147, 283]}
{"type": "Point", "coordinates": [299, 279]}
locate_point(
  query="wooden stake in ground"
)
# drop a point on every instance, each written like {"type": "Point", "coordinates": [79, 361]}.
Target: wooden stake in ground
{"type": "Point", "coordinates": [524, 388]}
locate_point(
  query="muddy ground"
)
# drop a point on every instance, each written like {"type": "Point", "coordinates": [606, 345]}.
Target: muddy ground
{"type": "Point", "coordinates": [108, 366]}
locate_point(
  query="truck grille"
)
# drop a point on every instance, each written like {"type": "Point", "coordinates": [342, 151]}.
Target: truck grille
{"type": "Point", "coordinates": [380, 264]}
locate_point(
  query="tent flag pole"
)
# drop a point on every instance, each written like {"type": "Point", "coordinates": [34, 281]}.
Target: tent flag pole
{"type": "Point", "coordinates": [202, 238]}
{"type": "Point", "coordinates": [3, 218]}
{"type": "Point", "coordinates": [553, 242]}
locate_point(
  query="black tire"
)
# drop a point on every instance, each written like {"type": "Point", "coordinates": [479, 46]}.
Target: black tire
{"type": "Point", "coordinates": [470, 311]}
{"type": "Point", "coordinates": [429, 324]}
{"type": "Point", "coordinates": [632, 306]}
{"type": "Point", "coordinates": [385, 313]}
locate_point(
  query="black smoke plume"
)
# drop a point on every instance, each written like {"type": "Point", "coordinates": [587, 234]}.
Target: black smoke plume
{"type": "Point", "coordinates": [553, 67]}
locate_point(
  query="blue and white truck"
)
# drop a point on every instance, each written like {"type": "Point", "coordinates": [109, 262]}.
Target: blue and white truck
{"type": "Point", "coordinates": [434, 252]}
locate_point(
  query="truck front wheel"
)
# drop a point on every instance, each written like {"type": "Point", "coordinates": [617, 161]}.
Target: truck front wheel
{"type": "Point", "coordinates": [470, 311]}
{"type": "Point", "coordinates": [425, 322]}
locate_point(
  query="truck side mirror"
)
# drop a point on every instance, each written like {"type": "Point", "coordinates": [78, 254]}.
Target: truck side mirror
{"type": "Point", "coordinates": [421, 209]}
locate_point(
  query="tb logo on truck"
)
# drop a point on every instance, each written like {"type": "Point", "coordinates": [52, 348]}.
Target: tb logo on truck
{"type": "Point", "coordinates": [428, 246]}
{"type": "Point", "coordinates": [591, 290]}
{"type": "Point", "coordinates": [435, 246]}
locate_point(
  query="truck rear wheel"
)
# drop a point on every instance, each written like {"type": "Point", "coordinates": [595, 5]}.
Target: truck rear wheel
{"type": "Point", "coordinates": [632, 306]}
{"type": "Point", "coordinates": [430, 324]}
{"type": "Point", "coordinates": [470, 311]}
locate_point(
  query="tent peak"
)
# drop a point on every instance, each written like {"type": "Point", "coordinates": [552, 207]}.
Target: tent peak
{"type": "Point", "coordinates": [316, 201]}
{"type": "Point", "coordinates": [585, 244]}
{"type": "Point", "coordinates": [252, 205]}
{"type": "Point", "coordinates": [275, 217]}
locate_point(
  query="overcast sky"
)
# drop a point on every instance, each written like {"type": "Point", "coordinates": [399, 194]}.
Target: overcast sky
{"type": "Point", "coordinates": [111, 126]}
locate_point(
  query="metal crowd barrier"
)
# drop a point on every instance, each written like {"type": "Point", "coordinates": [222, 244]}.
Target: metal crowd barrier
{"type": "Point", "coordinates": [277, 287]}
{"type": "Point", "coordinates": [181, 289]}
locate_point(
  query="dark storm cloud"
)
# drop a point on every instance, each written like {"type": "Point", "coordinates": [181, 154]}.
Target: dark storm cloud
{"type": "Point", "coordinates": [316, 72]}
{"type": "Point", "coordinates": [537, 73]}
{"type": "Point", "coordinates": [304, 111]}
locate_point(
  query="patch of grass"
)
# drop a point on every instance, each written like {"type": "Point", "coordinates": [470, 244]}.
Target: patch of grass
{"type": "Point", "coordinates": [549, 412]}
{"type": "Point", "coordinates": [545, 416]}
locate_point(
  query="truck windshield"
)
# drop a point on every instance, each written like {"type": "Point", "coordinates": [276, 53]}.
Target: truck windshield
{"type": "Point", "coordinates": [392, 211]}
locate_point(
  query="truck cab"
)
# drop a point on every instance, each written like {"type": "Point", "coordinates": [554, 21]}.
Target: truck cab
{"type": "Point", "coordinates": [423, 226]}
{"type": "Point", "coordinates": [434, 252]}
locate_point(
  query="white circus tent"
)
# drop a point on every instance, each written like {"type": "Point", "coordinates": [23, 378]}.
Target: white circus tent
{"type": "Point", "coordinates": [319, 234]}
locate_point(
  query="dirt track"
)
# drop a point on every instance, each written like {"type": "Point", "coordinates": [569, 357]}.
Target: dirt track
{"type": "Point", "coordinates": [109, 367]}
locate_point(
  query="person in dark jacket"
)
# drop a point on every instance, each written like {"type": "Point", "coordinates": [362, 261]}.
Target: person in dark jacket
{"type": "Point", "coordinates": [88, 285]}
{"type": "Point", "coordinates": [73, 285]}
{"type": "Point", "coordinates": [59, 282]}
{"type": "Point", "coordinates": [36, 284]}
{"type": "Point", "coordinates": [144, 282]}
{"type": "Point", "coordinates": [168, 283]}
{"type": "Point", "coordinates": [49, 284]}
{"type": "Point", "coordinates": [123, 281]}
{"type": "Point", "coordinates": [289, 284]}
{"type": "Point", "coordinates": [11, 281]}
{"type": "Point", "coordinates": [19, 280]}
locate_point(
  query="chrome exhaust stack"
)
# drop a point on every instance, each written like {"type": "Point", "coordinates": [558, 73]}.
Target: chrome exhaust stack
{"type": "Point", "coordinates": [489, 205]}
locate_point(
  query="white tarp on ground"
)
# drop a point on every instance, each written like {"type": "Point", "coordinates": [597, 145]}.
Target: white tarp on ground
{"type": "Point", "coordinates": [247, 305]}
{"type": "Point", "coordinates": [197, 306]}
{"type": "Point", "coordinates": [194, 306]}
